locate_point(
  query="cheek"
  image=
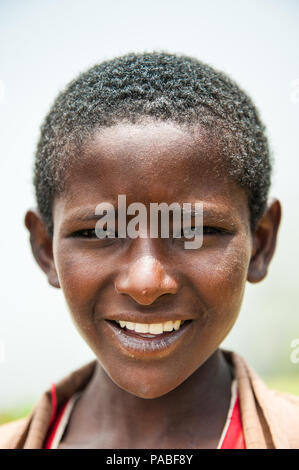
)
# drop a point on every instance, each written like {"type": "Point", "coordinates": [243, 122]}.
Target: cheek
{"type": "Point", "coordinates": [228, 277]}
{"type": "Point", "coordinates": [220, 281]}
{"type": "Point", "coordinates": [81, 276]}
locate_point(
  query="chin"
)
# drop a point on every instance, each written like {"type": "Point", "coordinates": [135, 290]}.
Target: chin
{"type": "Point", "coordinates": [147, 389]}
{"type": "Point", "coordinates": [148, 393]}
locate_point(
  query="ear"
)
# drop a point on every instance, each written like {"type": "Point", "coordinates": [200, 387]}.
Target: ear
{"type": "Point", "coordinates": [264, 242]}
{"type": "Point", "coordinates": [41, 245]}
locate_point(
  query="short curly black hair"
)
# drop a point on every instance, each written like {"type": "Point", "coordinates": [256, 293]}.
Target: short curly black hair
{"type": "Point", "coordinates": [162, 86]}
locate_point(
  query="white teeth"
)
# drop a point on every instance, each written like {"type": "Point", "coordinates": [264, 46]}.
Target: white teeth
{"type": "Point", "coordinates": [153, 328]}
{"type": "Point", "coordinates": [168, 326]}
{"type": "Point", "coordinates": [142, 327]}
{"type": "Point", "coordinates": [156, 328]}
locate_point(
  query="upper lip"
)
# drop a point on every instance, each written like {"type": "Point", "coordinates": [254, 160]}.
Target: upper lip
{"type": "Point", "coordinates": [147, 318]}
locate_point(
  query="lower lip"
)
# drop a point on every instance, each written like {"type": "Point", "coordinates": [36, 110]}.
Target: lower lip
{"type": "Point", "coordinates": [138, 344]}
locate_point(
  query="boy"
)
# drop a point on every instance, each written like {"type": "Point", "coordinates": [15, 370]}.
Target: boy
{"type": "Point", "coordinates": [157, 128]}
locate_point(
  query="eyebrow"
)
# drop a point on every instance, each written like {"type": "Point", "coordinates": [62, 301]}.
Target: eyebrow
{"type": "Point", "coordinates": [83, 215]}
{"type": "Point", "coordinates": [225, 215]}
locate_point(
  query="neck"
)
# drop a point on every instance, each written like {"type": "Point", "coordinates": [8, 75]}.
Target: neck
{"type": "Point", "coordinates": [180, 414]}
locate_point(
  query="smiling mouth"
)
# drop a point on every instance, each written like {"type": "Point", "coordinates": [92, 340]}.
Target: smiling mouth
{"type": "Point", "coordinates": [148, 338]}
{"type": "Point", "coordinates": [150, 330]}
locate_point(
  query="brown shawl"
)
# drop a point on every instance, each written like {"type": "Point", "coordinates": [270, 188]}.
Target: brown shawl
{"type": "Point", "coordinates": [270, 419]}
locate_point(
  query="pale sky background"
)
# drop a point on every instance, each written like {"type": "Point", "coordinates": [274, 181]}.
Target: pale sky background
{"type": "Point", "coordinates": [45, 44]}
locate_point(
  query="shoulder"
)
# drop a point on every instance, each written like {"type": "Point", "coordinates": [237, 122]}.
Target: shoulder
{"type": "Point", "coordinates": [30, 432]}
{"type": "Point", "coordinates": [285, 404]}
{"type": "Point", "coordinates": [283, 408]}
{"type": "Point", "coordinates": [11, 432]}
{"type": "Point", "coordinates": [277, 410]}
{"type": "Point", "coordinates": [291, 401]}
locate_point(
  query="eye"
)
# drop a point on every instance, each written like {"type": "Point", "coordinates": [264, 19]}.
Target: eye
{"type": "Point", "coordinates": [93, 233]}
{"type": "Point", "coordinates": [213, 231]}
{"type": "Point", "coordinates": [189, 231]}
{"type": "Point", "coordinates": [206, 230]}
{"type": "Point", "coordinates": [87, 233]}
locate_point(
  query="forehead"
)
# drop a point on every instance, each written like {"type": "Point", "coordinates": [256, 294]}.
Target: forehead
{"type": "Point", "coordinates": [147, 155]}
{"type": "Point", "coordinates": [151, 162]}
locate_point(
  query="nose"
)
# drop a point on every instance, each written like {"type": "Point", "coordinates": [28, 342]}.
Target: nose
{"type": "Point", "coordinates": [145, 281]}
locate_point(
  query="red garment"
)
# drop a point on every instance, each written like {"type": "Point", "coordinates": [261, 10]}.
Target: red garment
{"type": "Point", "coordinates": [55, 418]}
{"type": "Point", "coordinates": [233, 439]}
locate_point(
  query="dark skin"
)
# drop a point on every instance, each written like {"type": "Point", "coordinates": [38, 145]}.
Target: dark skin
{"type": "Point", "coordinates": [178, 397]}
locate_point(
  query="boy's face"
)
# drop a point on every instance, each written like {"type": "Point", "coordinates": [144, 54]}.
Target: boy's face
{"type": "Point", "coordinates": [151, 280]}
